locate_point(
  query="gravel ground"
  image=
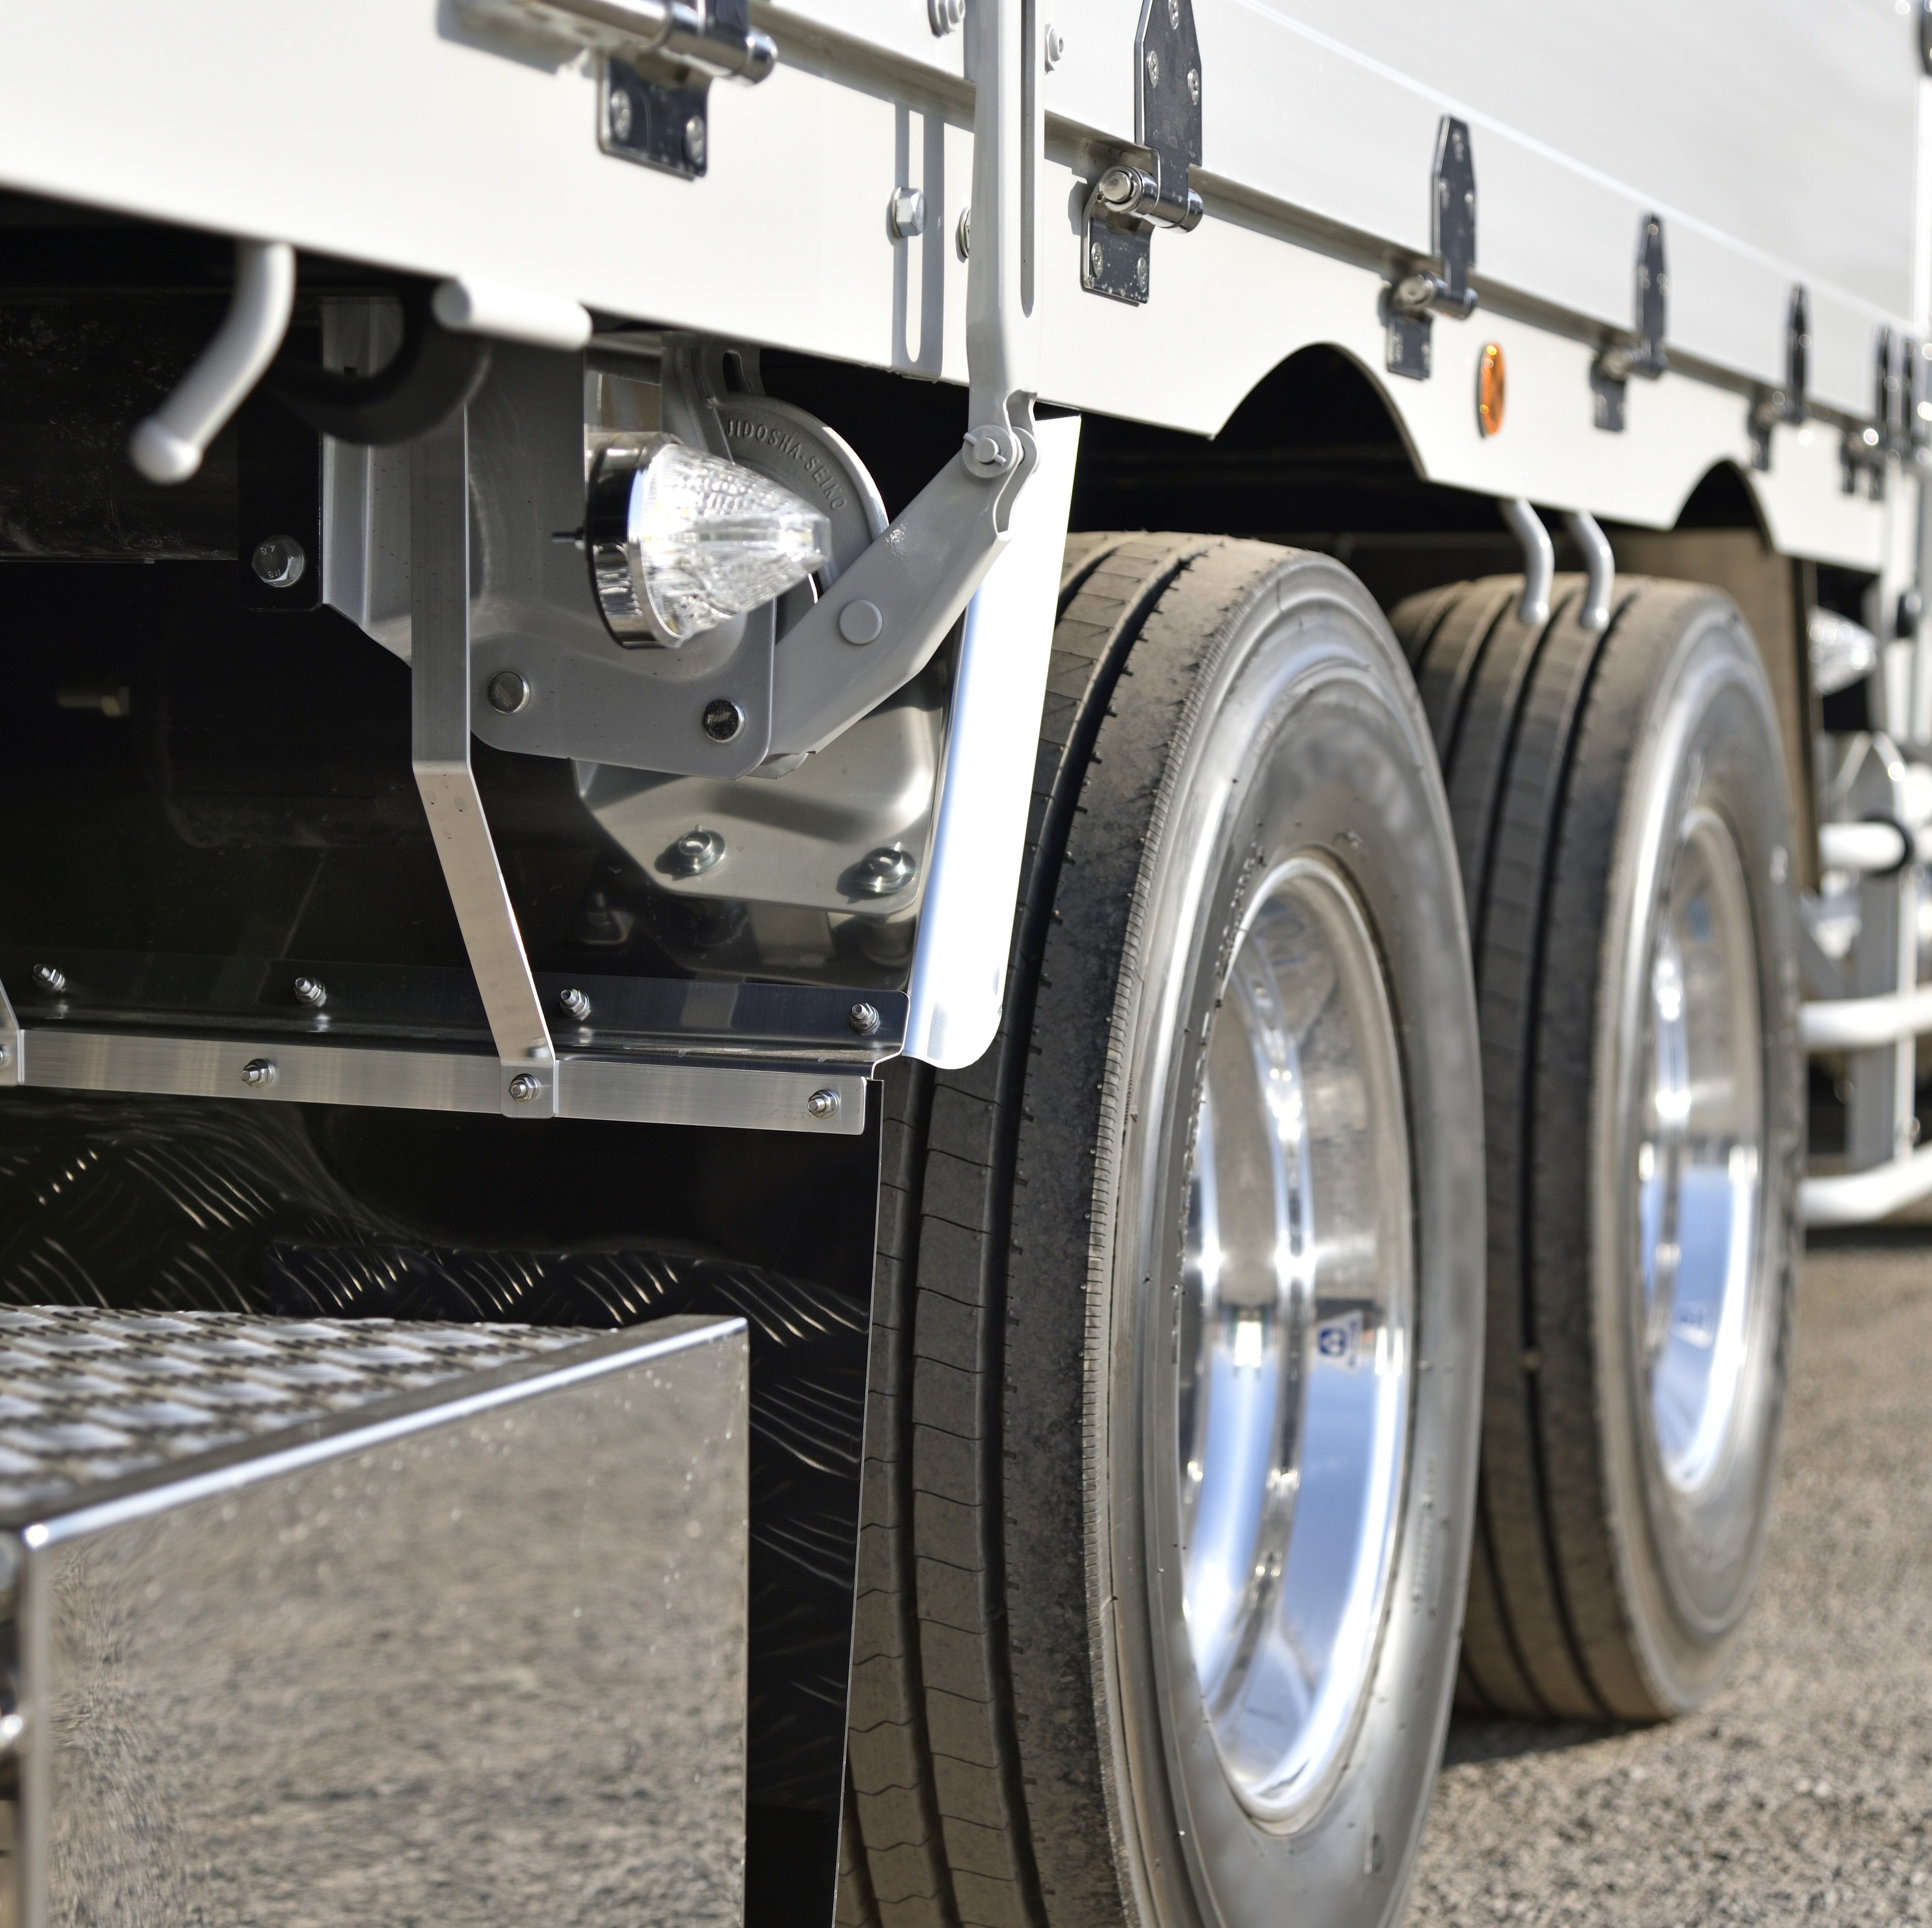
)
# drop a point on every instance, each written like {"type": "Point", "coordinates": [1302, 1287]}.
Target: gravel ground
{"type": "Point", "coordinates": [1803, 1790]}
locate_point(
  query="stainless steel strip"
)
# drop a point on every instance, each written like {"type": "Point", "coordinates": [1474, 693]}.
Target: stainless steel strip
{"type": "Point", "coordinates": [440, 665]}
{"type": "Point", "coordinates": [827, 1103]}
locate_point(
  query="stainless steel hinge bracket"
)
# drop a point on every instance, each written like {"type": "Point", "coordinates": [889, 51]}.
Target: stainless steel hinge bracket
{"type": "Point", "coordinates": [441, 676]}
{"type": "Point", "coordinates": [1789, 403]}
{"type": "Point", "coordinates": [1424, 293]}
{"type": "Point", "coordinates": [1610, 373]}
{"type": "Point", "coordinates": [658, 58]}
{"type": "Point", "coordinates": [1132, 197]}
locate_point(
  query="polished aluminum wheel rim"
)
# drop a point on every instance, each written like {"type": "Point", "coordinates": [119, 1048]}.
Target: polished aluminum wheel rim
{"type": "Point", "coordinates": [1699, 1159]}
{"type": "Point", "coordinates": [1296, 1342]}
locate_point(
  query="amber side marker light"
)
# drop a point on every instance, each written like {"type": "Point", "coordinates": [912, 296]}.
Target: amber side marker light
{"type": "Point", "coordinates": [1492, 389]}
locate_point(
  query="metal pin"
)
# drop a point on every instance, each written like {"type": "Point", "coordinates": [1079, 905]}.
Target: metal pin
{"type": "Point", "coordinates": [259, 1073]}
{"type": "Point", "coordinates": [577, 1004]}
{"type": "Point", "coordinates": [312, 991]}
{"type": "Point", "coordinates": [823, 1104]}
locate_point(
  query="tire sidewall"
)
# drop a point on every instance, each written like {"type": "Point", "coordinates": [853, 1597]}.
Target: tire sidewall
{"type": "Point", "coordinates": [1303, 733]}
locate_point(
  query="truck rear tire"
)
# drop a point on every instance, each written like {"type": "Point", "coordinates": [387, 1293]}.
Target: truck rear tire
{"type": "Point", "coordinates": [1623, 822]}
{"type": "Point", "coordinates": [1177, 1339]}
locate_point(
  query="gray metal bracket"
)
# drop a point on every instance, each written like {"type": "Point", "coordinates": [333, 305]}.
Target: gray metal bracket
{"type": "Point", "coordinates": [439, 752]}
{"type": "Point", "coordinates": [1611, 372]}
{"type": "Point", "coordinates": [1130, 199]}
{"type": "Point", "coordinates": [1866, 447]}
{"type": "Point", "coordinates": [1424, 293]}
{"type": "Point", "coordinates": [1788, 404]}
{"type": "Point", "coordinates": [10, 1071]}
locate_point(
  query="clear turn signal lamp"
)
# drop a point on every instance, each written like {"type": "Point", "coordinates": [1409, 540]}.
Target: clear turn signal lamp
{"type": "Point", "coordinates": [680, 540]}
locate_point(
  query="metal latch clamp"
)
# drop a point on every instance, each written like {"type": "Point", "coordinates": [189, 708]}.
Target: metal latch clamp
{"type": "Point", "coordinates": [1130, 199]}
{"type": "Point", "coordinates": [1426, 292]}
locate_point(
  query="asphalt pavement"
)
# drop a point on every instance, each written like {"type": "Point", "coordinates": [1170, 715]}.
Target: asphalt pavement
{"type": "Point", "coordinates": [1802, 1790]}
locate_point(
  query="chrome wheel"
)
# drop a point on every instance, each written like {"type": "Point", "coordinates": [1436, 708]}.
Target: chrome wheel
{"type": "Point", "coordinates": [1699, 1159]}
{"type": "Point", "coordinates": [1296, 1342]}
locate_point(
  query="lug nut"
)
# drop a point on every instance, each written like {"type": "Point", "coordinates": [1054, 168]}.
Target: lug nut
{"type": "Point", "coordinates": [49, 978]}
{"type": "Point", "coordinates": [312, 991]}
{"type": "Point", "coordinates": [508, 692]}
{"type": "Point", "coordinates": [723, 719]}
{"type": "Point", "coordinates": [280, 561]}
{"type": "Point", "coordinates": [823, 1104]}
{"type": "Point", "coordinates": [259, 1073]}
{"type": "Point", "coordinates": [577, 1004]}
{"type": "Point", "coordinates": [523, 1087]}
{"type": "Point", "coordinates": [863, 1018]}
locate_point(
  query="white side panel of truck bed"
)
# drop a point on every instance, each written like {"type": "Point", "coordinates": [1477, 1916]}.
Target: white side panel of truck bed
{"type": "Point", "coordinates": [1777, 138]}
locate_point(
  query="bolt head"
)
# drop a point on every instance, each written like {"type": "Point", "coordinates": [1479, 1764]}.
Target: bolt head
{"type": "Point", "coordinates": [1194, 85]}
{"type": "Point", "coordinates": [259, 1073]}
{"type": "Point", "coordinates": [50, 977]}
{"type": "Point", "coordinates": [577, 1004]}
{"type": "Point", "coordinates": [621, 114]}
{"type": "Point", "coordinates": [723, 719]}
{"type": "Point", "coordinates": [694, 141]}
{"type": "Point", "coordinates": [883, 872]}
{"type": "Point", "coordinates": [1056, 48]}
{"type": "Point", "coordinates": [280, 561]}
{"type": "Point", "coordinates": [863, 1018]}
{"type": "Point", "coordinates": [312, 991]}
{"type": "Point", "coordinates": [1153, 68]}
{"type": "Point", "coordinates": [523, 1087]}
{"type": "Point", "coordinates": [823, 1104]}
{"type": "Point", "coordinates": [905, 214]}
{"type": "Point", "coordinates": [509, 692]}
{"type": "Point", "coordinates": [860, 623]}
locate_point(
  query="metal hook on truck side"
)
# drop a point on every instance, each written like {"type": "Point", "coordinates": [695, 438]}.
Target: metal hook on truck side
{"type": "Point", "coordinates": [1539, 561]}
{"type": "Point", "coordinates": [1599, 567]}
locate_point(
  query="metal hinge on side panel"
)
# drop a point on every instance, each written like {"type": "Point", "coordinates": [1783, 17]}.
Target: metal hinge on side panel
{"type": "Point", "coordinates": [1131, 199]}
{"type": "Point", "coordinates": [1609, 374]}
{"type": "Point", "coordinates": [1444, 290]}
{"type": "Point", "coordinates": [1865, 449]}
{"type": "Point", "coordinates": [659, 59]}
{"type": "Point", "coordinates": [1788, 403]}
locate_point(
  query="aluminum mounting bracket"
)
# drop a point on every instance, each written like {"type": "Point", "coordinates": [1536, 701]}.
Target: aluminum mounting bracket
{"type": "Point", "coordinates": [440, 751]}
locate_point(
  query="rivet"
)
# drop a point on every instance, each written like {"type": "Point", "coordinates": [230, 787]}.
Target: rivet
{"type": "Point", "coordinates": [693, 140]}
{"type": "Point", "coordinates": [861, 622]}
{"type": "Point", "coordinates": [620, 114]}
{"type": "Point", "coordinates": [823, 1104]}
{"type": "Point", "coordinates": [696, 852]}
{"type": "Point", "coordinates": [1194, 85]}
{"type": "Point", "coordinates": [1153, 68]}
{"type": "Point", "coordinates": [259, 1073]}
{"type": "Point", "coordinates": [883, 871]}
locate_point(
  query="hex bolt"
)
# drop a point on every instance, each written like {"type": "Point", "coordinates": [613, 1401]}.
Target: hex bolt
{"type": "Point", "coordinates": [577, 1004]}
{"type": "Point", "coordinates": [863, 1018]}
{"type": "Point", "coordinates": [861, 622]}
{"type": "Point", "coordinates": [312, 991]}
{"type": "Point", "coordinates": [905, 214]}
{"type": "Point", "coordinates": [823, 1104]}
{"type": "Point", "coordinates": [523, 1087]}
{"type": "Point", "coordinates": [280, 561]}
{"type": "Point", "coordinates": [50, 977]}
{"type": "Point", "coordinates": [620, 114]}
{"type": "Point", "coordinates": [259, 1073]}
{"type": "Point", "coordinates": [1056, 48]}
{"type": "Point", "coordinates": [696, 852]}
{"type": "Point", "coordinates": [882, 872]}
{"type": "Point", "coordinates": [508, 691]}
{"type": "Point", "coordinates": [723, 719]}
{"type": "Point", "coordinates": [693, 140]}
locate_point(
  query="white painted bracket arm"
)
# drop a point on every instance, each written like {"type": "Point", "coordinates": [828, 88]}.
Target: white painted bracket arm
{"type": "Point", "coordinates": [168, 446]}
{"type": "Point", "coordinates": [979, 839]}
{"type": "Point", "coordinates": [440, 752]}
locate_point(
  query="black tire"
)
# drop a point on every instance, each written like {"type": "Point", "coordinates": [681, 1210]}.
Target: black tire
{"type": "Point", "coordinates": [1016, 1755]}
{"type": "Point", "coordinates": [1603, 1587]}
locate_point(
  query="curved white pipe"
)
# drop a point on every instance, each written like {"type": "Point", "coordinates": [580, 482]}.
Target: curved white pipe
{"type": "Point", "coordinates": [1539, 561]}
{"type": "Point", "coordinates": [168, 446]}
{"type": "Point", "coordinates": [1599, 567]}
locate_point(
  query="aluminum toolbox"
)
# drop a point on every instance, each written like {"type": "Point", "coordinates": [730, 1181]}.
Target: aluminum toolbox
{"type": "Point", "coordinates": [372, 1622]}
